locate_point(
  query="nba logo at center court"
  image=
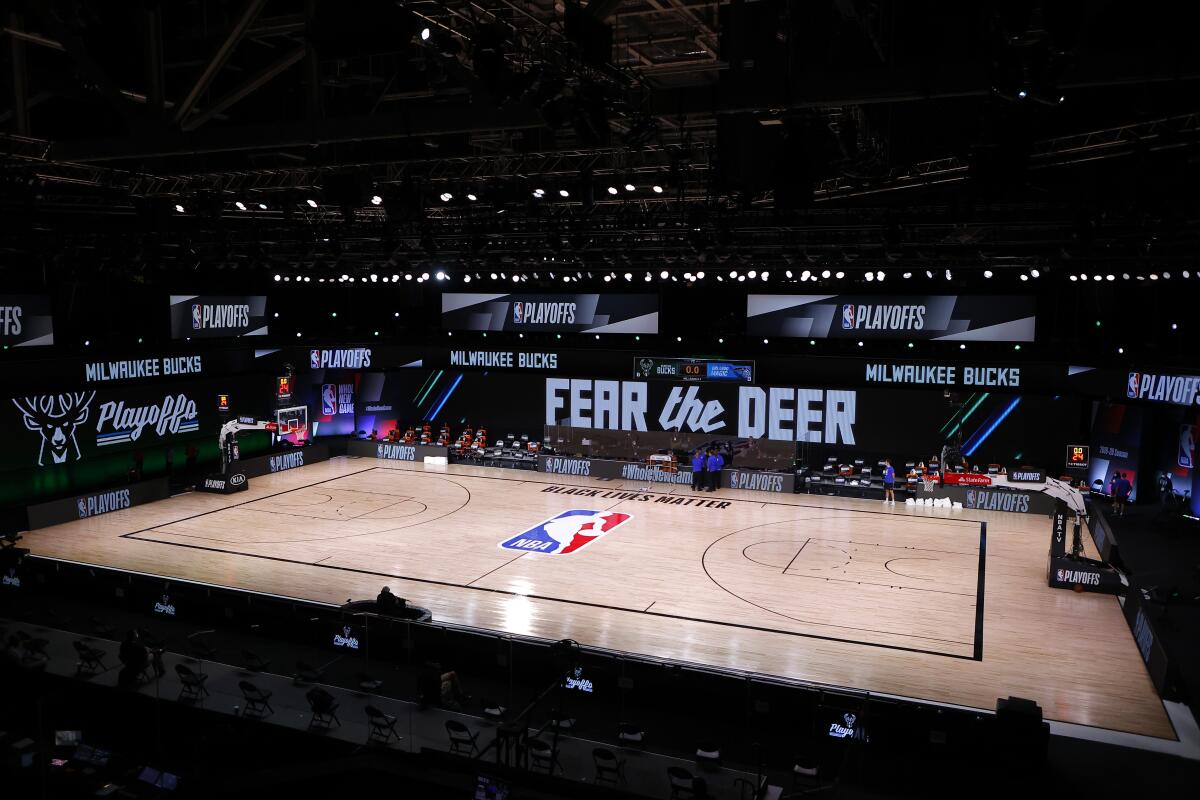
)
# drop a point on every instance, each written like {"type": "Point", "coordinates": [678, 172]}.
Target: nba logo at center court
{"type": "Point", "coordinates": [1131, 388]}
{"type": "Point", "coordinates": [847, 316]}
{"type": "Point", "coordinates": [195, 316]}
{"type": "Point", "coordinates": [569, 531]}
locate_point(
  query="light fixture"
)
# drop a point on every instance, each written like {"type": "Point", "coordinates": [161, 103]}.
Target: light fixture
{"type": "Point", "coordinates": [840, 275]}
{"type": "Point", "coordinates": [376, 200]}
{"type": "Point", "coordinates": [907, 275]}
{"type": "Point", "coordinates": [262, 206]}
{"type": "Point", "coordinates": [1074, 279]}
{"type": "Point", "coordinates": [446, 197]}
{"type": "Point", "coordinates": [987, 273]}
{"type": "Point", "coordinates": [607, 278]}
{"type": "Point", "coordinates": [311, 203]}
{"type": "Point", "coordinates": [879, 275]}
{"type": "Point", "coordinates": [766, 341]}
{"type": "Point", "coordinates": [441, 276]}
{"type": "Point", "coordinates": [1110, 277]}
{"type": "Point", "coordinates": [563, 193]}
{"type": "Point", "coordinates": [679, 338]}
{"type": "Point", "coordinates": [1121, 350]}
{"type": "Point", "coordinates": [240, 205]}
{"type": "Point", "coordinates": [1024, 277]}
{"type": "Point", "coordinates": [752, 274]}
{"type": "Point", "coordinates": [700, 276]}
{"type": "Point", "coordinates": [278, 277]}
{"type": "Point", "coordinates": [179, 208]}
{"type": "Point", "coordinates": [788, 273]}
{"type": "Point", "coordinates": [870, 276]}
{"type": "Point", "coordinates": [948, 275]}
{"type": "Point", "coordinates": [764, 275]}
{"type": "Point", "coordinates": [860, 344]}
{"type": "Point", "coordinates": [629, 187]}
{"type": "Point", "coordinates": [657, 189]}
{"type": "Point", "coordinates": [1022, 94]}
{"type": "Point", "coordinates": [928, 273]}
{"type": "Point", "coordinates": [962, 347]}
{"type": "Point", "coordinates": [612, 190]}
{"type": "Point", "coordinates": [424, 34]}
{"type": "Point", "coordinates": [471, 196]}
{"type": "Point", "coordinates": [1034, 273]}
{"type": "Point", "coordinates": [825, 274]}
{"type": "Point", "coordinates": [628, 276]}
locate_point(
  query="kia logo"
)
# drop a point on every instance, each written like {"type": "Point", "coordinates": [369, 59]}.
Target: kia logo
{"type": "Point", "coordinates": [237, 479]}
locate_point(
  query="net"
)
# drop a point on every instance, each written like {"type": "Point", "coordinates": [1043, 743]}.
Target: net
{"type": "Point", "coordinates": [293, 424]}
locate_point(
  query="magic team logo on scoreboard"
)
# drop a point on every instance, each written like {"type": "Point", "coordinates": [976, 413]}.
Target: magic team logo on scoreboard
{"type": "Point", "coordinates": [569, 531]}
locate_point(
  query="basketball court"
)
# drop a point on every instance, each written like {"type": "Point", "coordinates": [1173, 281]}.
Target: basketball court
{"type": "Point", "coordinates": [943, 605]}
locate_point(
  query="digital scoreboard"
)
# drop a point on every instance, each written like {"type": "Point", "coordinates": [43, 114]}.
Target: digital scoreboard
{"type": "Point", "coordinates": [694, 369]}
{"type": "Point", "coordinates": [1078, 455]}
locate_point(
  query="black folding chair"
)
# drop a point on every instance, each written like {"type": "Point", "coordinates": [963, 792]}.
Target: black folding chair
{"type": "Point", "coordinates": [462, 741]}
{"type": "Point", "coordinates": [192, 683]}
{"type": "Point", "coordinates": [91, 659]}
{"type": "Point", "coordinates": [609, 768]}
{"type": "Point", "coordinates": [258, 701]}
{"type": "Point", "coordinates": [324, 709]}
{"type": "Point", "coordinates": [381, 727]}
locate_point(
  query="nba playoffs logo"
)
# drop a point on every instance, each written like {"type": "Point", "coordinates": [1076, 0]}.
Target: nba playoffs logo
{"type": "Point", "coordinates": [518, 313]}
{"type": "Point", "coordinates": [847, 316]}
{"type": "Point", "coordinates": [569, 531]}
{"type": "Point", "coordinates": [196, 314]}
{"type": "Point", "coordinates": [1131, 388]}
{"type": "Point", "coordinates": [328, 399]}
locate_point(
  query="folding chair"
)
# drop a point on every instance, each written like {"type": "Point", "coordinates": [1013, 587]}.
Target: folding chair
{"type": "Point", "coordinates": [609, 768]}
{"type": "Point", "coordinates": [381, 727]}
{"type": "Point", "coordinates": [542, 757]}
{"type": "Point", "coordinates": [324, 709]}
{"type": "Point", "coordinates": [681, 783]}
{"type": "Point", "coordinates": [91, 659]}
{"type": "Point", "coordinates": [258, 701]}
{"type": "Point", "coordinates": [462, 741]}
{"type": "Point", "coordinates": [306, 673]}
{"type": "Point", "coordinates": [252, 662]}
{"type": "Point", "coordinates": [192, 683]}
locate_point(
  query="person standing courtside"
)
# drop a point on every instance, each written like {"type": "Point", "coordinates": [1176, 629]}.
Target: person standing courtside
{"type": "Point", "coordinates": [698, 471]}
{"type": "Point", "coordinates": [889, 482]}
{"type": "Point", "coordinates": [714, 464]}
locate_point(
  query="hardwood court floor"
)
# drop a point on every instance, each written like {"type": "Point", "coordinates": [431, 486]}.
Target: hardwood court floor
{"type": "Point", "coordinates": [908, 601]}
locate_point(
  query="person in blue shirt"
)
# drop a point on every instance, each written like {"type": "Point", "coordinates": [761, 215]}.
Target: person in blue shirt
{"type": "Point", "coordinates": [713, 465]}
{"type": "Point", "coordinates": [889, 482]}
{"type": "Point", "coordinates": [698, 475]}
{"type": "Point", "coordinates": [1121, 491]}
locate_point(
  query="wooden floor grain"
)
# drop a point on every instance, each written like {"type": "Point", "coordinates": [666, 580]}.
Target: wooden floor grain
{"type": "Point", "coordinates": [834, 590]}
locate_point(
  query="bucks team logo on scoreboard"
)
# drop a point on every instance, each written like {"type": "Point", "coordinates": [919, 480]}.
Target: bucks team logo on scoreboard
{"type": "Point", "coordinates": [566, 533]}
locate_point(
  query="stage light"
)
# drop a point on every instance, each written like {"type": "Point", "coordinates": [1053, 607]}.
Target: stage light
{"type": "Point", "coordinates": [311, 203]}
{"type": "Point", "coordinates": [870, 276]}
{"type": "Point", "coordinates": [597, 336]}
{"type": "Point", "coordinates": [374, 277]}
{"type": "Point", "coordinates": [879, 275]}
{"type": "Point", "coordinates": [962, 347]}
{"type": "Point", "coordinates": [752, 274]}
{"type": "Point", "coordinates": [441, 276]}
{"type": "Point", "coordinates": [520, 336]}
{"type": "Point", "coordinates": [948, 275]}
{"type": "Point", "coordinates": [657, 189]}
{"type": "Point", "coordinates": [566, 278]}
{"type": "Point", "coordinates": [804, 275]}
{"type": "Point", "coordinates": [825, 274]}
{"type": "Point", "coordinates": [647, 277]}
{"type": "Point", "coordinates": [1022, 94]}
{"type": "Point", "coordinates": [446, 197]}
{"type": "Point", "coordinates": [741, 278]}
{"type": "Point", "coordinates": [733, 274]}
{"type": "Point", "coordinates": [840, 275]}
{"type": "Point", "coordinates": [910, 345]}
{"type": "Point", "coordinates": [307, 279]}
{"type": "Point", "coordinates": [1097, 277]}
{"type": "Point", "coordinates": [765, 275]}
{"type": "Point", "coordinates": [1016, 347]}
{"type": "Point", "coordinates": [563, 193]}
{"type": "Point", "coordinates": [1185, 274]}
{"type": "Point", "coordinates": [518, 278]}
{"type": "Point", "coordinates": [1033, 273]}
{"type": "Point", "coordinates": [1024, 277]}
{"type": "Point", "coordinates": [278, 277]}
{"type": "Point", "coordinates": [1097, 323]}
{"type": "Point", "coordinates": [396, 314]}
{"type": "Point", "coordinates": [607, 278]}
{"type": "Point", "coordinates": [240, 205]}
{"type": "Point", "coordinates": [720, 341]}
{"type": "Point", "coordinates": [928, 274]}
{"type": "Point", "coordinates": [345, 277]}
{"type": "Point", "coordinates": [276, 315]}
{"type": "Point", "coordinates": [493, 276]}
{"type": "Point", "coordinates": [333, 314]}
{"type": "Point", "coordinates": [663, 274]}
{"type": "Point", "coordinates": [297, 334]}
{"type": "Point", "coordinates": [424, 276]}
{"type": "Point", "coordinates": [408, 276]}
{"type": "Point", "coordinates": [687, 276]}
{"type": "Point", "coordinates": [987, 273]}
{"type": "Point", "coordinates": [1121, 350]}
{"type": "Point", "coordinates": [612, 190]}
{"type": "Point", "coordinates": [788, 273]}
{"type": "Point", "coordinates": [679, 338]}
{"type": "Point", "coordinates": [629, 187]}
{"type": "Point", "coordinates": [812, 342]}
{"type": "Point", "coordinates": [262, 206]}
{"type": "Point", "coordinates": [700, 276]}
{"type": "Point", "coordinates": [87, 342]}
{"type": "Point", "coordinates": [424, 34]}
{"type": "Point", "coordinates": [1166, 276]}
{"type": "Point", "coordinates": [1124, 275]}
{"type": "Point", "coordinates": [1110, 277]}
{"type": "Point", "coordinates": [376, 200]}
{"type": "Point", "coordinates": [765, 341]}
{"type": "Point", "coordinates": [286, 279]}
{"type": "Point", "coordinates": [860, 344]}
{"type": "Point", "coordinates": [539, 193]}
{"type": "Point", "coordinates": [907, 275]}
{"type": "Point", "coordinates": [1174, 326]}
{"type": "Point", "coordinates": [1074, 279]}
{"type": "Point", "coordinates": [472, 197]}
{"type": "Point", "coordinates": [628, 276]}
{"type": "Point", "coordinates": [1153, 276]}
{"type": "Point", "coordinates": [179, 208]}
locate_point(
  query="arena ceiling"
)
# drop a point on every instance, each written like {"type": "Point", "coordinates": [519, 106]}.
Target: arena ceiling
{"type": "Point", "coordinates": [304, 134]}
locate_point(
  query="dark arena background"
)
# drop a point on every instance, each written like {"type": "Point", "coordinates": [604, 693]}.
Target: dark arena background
{"type": "Point", "coordinates": [630, 398]}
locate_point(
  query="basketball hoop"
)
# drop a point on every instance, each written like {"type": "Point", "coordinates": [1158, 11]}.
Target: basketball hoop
{"type": "Point", "coordinates": [930, 481]}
